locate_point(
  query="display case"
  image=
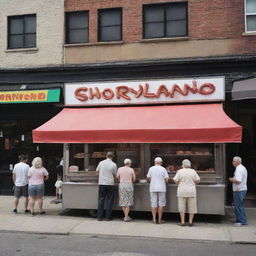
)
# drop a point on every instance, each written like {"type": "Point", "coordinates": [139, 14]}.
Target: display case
{"type": "Point", "coordinates": [200, 155]}
{"type": "Point", "coordinates": [205, 158]}
{"type": "Point", "coordinates": [84, 159]}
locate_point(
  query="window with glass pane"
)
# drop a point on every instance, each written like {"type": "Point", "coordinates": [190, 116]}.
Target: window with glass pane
{"type": "Point", "coordinates": [250, 9]}
{"type": "Point", "coordinates": [22, 31]}
{"type": "Point", "coordinates": [110, 25]}
{"type": "Point", "coordinates": [165, 20]}
{"type": "Point", "coordinates": [77, 27]}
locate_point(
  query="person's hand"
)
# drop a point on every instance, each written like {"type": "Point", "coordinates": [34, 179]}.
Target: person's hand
{"type": "Point", "coordinates": [230, 179]}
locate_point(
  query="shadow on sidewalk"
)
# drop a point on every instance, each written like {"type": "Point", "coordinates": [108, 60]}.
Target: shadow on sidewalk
{"type": "Point", "coordinates": [169, 217]}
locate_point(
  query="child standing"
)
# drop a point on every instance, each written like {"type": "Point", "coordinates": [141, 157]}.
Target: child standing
{"type": "Point", "coordinates": [58, 185]}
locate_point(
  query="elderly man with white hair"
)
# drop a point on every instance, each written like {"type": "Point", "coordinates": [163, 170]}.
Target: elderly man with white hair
{"type": "Point", "coordinates": [186, 178]}
{"type": "Point", "coordinates": [158, 177]}
{"type": "Point", "coordinates": [239, 191]}
{"type": "Point", "coordinates": [126, 177]}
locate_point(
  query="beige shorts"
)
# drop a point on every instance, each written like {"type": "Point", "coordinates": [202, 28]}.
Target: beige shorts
{"type": "Point", "coordinates": [157, 199]}
{"type": "Point", "coordinates": [187, 204]}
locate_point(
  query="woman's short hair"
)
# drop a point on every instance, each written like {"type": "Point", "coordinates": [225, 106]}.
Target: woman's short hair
{"type": "Point", "coordinates": [37, 162]}
{"type": "Point", "coordinates": [127, 161]}
{"type": "Point", "coordinates": [186, 163]}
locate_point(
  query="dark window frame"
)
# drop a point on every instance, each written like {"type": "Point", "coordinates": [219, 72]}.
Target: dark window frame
{"type": "Point", "coordinates": [23, 33]}
{"type": "Point", "coordinates": [120, 26]}
{"type": "Point", "coordinates": [67, 29]}
{"type": "Point", "coordinates": [164, 6]}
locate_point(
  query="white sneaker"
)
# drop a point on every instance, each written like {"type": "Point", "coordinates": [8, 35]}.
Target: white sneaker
{"type": "Point", "coordinates": [237, 224]}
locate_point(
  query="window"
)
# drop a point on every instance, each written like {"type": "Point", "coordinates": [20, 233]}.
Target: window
{"type": "Point", "coordinates": [77, 27]}
{"type": "Point", "coordinates": [22, 31]}
{"type": "Point", "coordinates": [250, 15]}
{"type": "Point", "coordinates": [165, 20]}
{"type": "Point", "coordinates": [110, 25]}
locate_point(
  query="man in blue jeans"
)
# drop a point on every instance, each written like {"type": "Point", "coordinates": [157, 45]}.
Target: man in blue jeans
{"type": "Point", "coordinates": [239, 191]}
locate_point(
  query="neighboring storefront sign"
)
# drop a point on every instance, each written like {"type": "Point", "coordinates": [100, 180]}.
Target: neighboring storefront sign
{"type": "Point", "coordinates": [31, 96]}
{"type": "Point", "coordinates": [145, 91]}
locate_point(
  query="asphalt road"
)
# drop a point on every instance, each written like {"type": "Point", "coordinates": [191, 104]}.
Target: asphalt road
{"type": "Point", "coordinates": [20, 244]}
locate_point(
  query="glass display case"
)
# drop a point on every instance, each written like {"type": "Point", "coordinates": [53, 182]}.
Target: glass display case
{"type": "Point", "coordinates": [84, 159]}
{"type": "Point", "coordinates": [205, 159]}
{"type": "Point", "coordinates": [201, 156]}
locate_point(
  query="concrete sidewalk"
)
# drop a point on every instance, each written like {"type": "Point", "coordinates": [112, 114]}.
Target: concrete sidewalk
{"type": "Point", "coordinates": [54, 222]}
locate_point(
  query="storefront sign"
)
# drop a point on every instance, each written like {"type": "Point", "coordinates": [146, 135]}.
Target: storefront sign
{"type": "Point", "coordinates": [52, 95]}
{"type": "Point", "coordinates": [145, 92]}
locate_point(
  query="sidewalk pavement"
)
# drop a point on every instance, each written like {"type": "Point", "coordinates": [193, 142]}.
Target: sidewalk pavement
{"type": "Point", "coordinates": [54, 222]}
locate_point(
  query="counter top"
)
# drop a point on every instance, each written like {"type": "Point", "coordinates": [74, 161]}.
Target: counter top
{"type": "Point", "coordinates": [139, 184]}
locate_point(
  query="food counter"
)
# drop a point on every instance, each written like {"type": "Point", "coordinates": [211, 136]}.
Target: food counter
{"type": "Point", "coordinates": [86, 197]}
{"type": "Point", "coordinates": [81, 179]}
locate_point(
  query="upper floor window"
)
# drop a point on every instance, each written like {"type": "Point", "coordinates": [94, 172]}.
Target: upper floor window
{"type": "Point", "coordinates": [22, 31]}
{"type": "Point", "coordinates": [110, 25]}
{"type": "Point", "coordinates": [250, 15]}
{"type": "Point", "coordinates": [77, 27]}
{"type": "Point", "coordinates": [165, 20]}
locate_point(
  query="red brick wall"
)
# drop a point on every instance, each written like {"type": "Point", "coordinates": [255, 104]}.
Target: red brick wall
{"type": "Point", "coordinates": [208, 19]}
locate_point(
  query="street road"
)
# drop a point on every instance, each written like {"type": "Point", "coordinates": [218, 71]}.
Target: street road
{"type": "Point", "coordinates": [21, 244]}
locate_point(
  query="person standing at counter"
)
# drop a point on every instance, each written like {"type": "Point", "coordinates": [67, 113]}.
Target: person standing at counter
{"type": "Point", "coordinates": [239, 191]}
{"type": "Point", "coordinates": [126, 177]}
{"type": "Point", "coordinates": [107, 171]}
{"type": "Point", "coordinates": [158, 177]}
{"type": "Point", "coordinates": [186, 178]}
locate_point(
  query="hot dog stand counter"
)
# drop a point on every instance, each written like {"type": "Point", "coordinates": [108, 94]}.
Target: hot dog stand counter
{"type": "Point", "coordinates": [174, 132]}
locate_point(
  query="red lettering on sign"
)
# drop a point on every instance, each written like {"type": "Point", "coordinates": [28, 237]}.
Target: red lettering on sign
{"type": "Point", "coordinates": [33, 96]}
{"type": "Point", "coordinates": [207, 88]}
{"type": "Point", "coordinates": [121, 92]}
{"type": "Point", "coordinates": [42, 96]}
{"type": "Point", "coordinates": [107, 94]}
{"type": "Point", "coordinates": [146, 93]}
{"type": "Point", "coordinates": [8, 97]}
{"type": "Point", "coordinates": [94, 94]}
{"type": "Point", "coordinates": [192, 89]}
{"type": "Point", "coordinates": [162, 89]}
{"type": "Point", "coordinates": [177, 89]}
{"type": "Point", "coordinates": [137, 93]}
{"type": "Point", "coordinates": [80, 93]}
{"type": "Point", "coordinates": [15, 97]}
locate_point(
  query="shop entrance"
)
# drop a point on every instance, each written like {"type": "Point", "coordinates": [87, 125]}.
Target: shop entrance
{"type": "Point", "coordinates": [247, 149]}
{"type": "Point", "coordinates": [16, 125]}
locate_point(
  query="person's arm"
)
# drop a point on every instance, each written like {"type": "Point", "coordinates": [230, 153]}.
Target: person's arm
{"type": "Point", "coordinates": [46, 175]}
{"type": "Point", "coordinates": [118, 176]}
{"type": "Point", "coordinates": [14, 177]}
{"type": "Point", "coordinates": [237, 177]}
{"type": "Point", "coordinates": [197, 178]}
{"type": "Point", "coordinates": [133, 176]}
{"type": "Point", "coordinates": [149, 176]}
{"type": "Point", "coordinates": [176, 178]}
{"type": "Point", "coordinates": [233, 180]}
{"type": "Point", "coordinates": [115, 171]}
{"type": "Point", "coordinates": [166, 177]}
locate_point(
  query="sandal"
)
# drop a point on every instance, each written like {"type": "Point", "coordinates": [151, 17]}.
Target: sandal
{"type": "Point", "coordinates": [42, 212]}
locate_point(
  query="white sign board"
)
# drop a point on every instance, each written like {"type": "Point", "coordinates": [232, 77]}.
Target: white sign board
{"type": "Point", "coordinates": [145, 92]}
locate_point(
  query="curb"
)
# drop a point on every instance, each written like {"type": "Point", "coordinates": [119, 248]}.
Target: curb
{"type": "Point", "coordinates": [35, 232]}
